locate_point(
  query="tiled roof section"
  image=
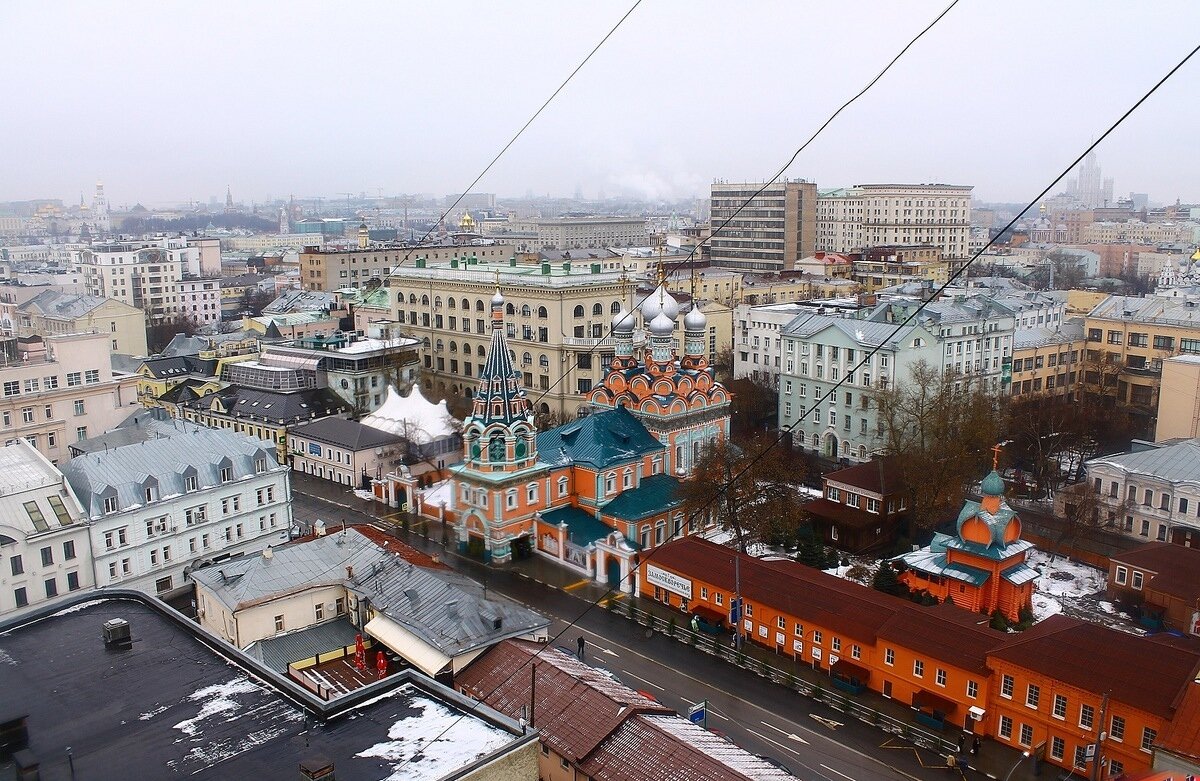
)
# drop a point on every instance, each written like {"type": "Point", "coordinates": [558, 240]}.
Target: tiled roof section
{"type": "Point", "coordinates": [577, 706]}
{"type": "Point", "coordinates": [656, 494]}
{"type": "Point", "coordinates": [1176, 463]}
{"type": "Point", "coordinates": [274, 406]}
{"type": "Point", "coordinates": [1066, 649]}
{"type": "Point", "coordinates": [945, 633]}
{"type": "Point", "coordinates": [600, 440]}
{"type": "Point", "coordinates": [1176, 568]}
{"type": "Point", "coordinates": [653, 748]}
{"type": "Point", "coordinates": [281, 650]}
{"type": "Point", "coordinates": [67, 306]}
{"type": "Point", "coordinates": [1182, 736]}
{"type": "Point", "coordinates": [163, 464]}
{"type": "Point", "coordinates": [180, 366]}
{"type": "Point", "coordinates": [880, 476]}
{"type": "Point", "coordinates": [349, 434]}
{"type": "Point", "coordinates": [864, 332]}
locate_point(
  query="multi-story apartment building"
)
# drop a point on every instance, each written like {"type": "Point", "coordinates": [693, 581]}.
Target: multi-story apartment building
{"type": "Point", "coordinates": [1179, 410]}
{"type": "Point", "coordinates": [871, 215]}
{"type": "Point", "coordinates": [64, 394]}
{"type": "Point", "coordinates": [162, 507]}
{"type": "Point", "coordinates": [333, 269]}
{"type": "Point", "coordinates": [968, 336]}
{"type": "Point", "coordinates": [200, 299]}
{"type": "Point", "coordinates": [51, 312]}
{"type": "Point", "coordinates": [44, 549]}
{"type": "Point", "coordinates": [145, 274]}
{"type": "Point", "coordinates": [558, 320]}
{"type": "Point", "coordinates": [1127, 341]}
{"type": "Point", "coordinates": [1136, 232]}
{"type": "Point", "coordinates": [771, 232]}
{"type": "Point", "coordinates": [1153, 492]}
{"type": "Point", "coordinates": [1047, 359]}
{"type": "Point", "coordinates": [757, 344]}
{"type": "Point", "coordinates": [581, 232]}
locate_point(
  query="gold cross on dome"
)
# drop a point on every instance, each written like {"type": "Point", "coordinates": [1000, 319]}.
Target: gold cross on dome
{"type": "Point", "coordinates": [996, 456]}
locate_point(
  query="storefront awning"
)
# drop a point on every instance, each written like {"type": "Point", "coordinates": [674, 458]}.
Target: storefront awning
{"type": "Point", "coordinates": [848, 669]}
{"type": "Point", "coordinates": [416, 651]}
{"type": "Point", "coordinates": [928, 701]}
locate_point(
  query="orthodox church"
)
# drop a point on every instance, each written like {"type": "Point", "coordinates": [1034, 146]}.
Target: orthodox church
{"type": "Point", "coordinates": [594, 492]}
{"type": "Point", "coordinates": [983, 567]}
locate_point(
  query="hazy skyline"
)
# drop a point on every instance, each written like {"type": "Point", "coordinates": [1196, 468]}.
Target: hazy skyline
{"type": "Point", "coordinates": [167, 102]}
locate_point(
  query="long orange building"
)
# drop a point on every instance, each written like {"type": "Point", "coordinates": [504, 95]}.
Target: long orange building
{"type": "Point", "coordinates": [947, 664]}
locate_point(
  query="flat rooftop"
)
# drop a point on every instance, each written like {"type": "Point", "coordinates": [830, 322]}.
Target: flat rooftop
{"type": "Point", "coordinates": [174, 703]}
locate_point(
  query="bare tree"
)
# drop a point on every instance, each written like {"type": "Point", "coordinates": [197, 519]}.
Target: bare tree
{"type": "Point", "coordinates": [941, 428]}
{"type": "Point", "coordinates": [750, 489]}
{"type": "Point", "coordinates": [1080, 512]}
{"type": "Point", "coordinates": [1050, 436]}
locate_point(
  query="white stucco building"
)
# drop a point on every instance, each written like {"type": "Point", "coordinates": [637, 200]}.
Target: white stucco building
{"type": "Point", "coordinates": [44, 550]}
{"type": "Point", "coordinates": [159, 508]}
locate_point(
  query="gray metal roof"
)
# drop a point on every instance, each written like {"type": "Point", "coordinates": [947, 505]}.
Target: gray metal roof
{"type": "Point", "coordinates": [864, 332]}
{"type": "Point", "coordinates": [1176, 463]}
{"type": "Point", "coordinates": [1025, 338]}
{"type": "Point", "coordinates": [448, 611]}
{"type": "Point", "coordinates": [1152, 309]}
{"type": "Point", "coordinates": [126, 471]}
{"type": "Point", "coordinates": [52, 303]}
{"type": "Point", "coordinates": [349, 434]}
{"type": "Point", "coordinates": [148, 423]}
{"type": "Point", "coordinates": [281, 650]}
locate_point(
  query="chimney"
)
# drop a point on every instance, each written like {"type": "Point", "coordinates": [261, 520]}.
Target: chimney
{"type": "Point", "coordinates": [317, 768]}
{"type": "Point", "coordinates": [349, 572]}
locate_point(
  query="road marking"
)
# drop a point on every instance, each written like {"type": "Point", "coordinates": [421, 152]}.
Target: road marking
{"type": "Point", "coordinates": [827, 722]}
{"type": "Point", "coordinates": [577, 584]}
{"type": "Point", "coordinates": [790, 735]}
{"type": "Point", "coordinates": [603, 650]}
{"type": "Point", "coordinates": [840, 773]}
{"type": "Point", "coordinates": [770, 740]}
{"type": "Point", "coordinates": [643, 680]}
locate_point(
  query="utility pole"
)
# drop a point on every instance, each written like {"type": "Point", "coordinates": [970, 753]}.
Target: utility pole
{"type": "Point", "coordinates": [737, 589]}
{"type": "Point", "coordinates": [1100, 735]}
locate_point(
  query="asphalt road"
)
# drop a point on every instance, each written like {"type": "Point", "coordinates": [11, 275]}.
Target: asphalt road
{"type": "Point", "coordinates": [815, 742]}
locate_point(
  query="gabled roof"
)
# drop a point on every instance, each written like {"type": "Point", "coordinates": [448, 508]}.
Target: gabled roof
{"type": "Point", "coordinates": [274, 406]}
{"type": "Point", "coordinates": [67, 306]}
{"type": "Point", "coordinates": [879, 476]}
{"type": "Point", "coordinates": [151, 423]}
{"type": "Point", "coordinates": [1176, 568]}
{"type": "Point", "coordinates": [655, 494]}
{"type": "Point", "coordinates": [1066, 649]}
{"type": "Point", "coordinates": [600, 440]}
{"type": "Point", "coordinates": [349, 434]}
{"type": "Point", "coordinates": [123, 472]}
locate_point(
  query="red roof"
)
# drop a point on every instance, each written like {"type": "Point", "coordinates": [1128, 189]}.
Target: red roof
{"type": "Point", "coordinates": [393, 545]}
{"type": "Point", "coordinates": [842, 514]}
{"type": "Point", "coordinates": [879, 476]}
{"type": "Point", "coordinates": [1143, 672]}
{"type": "Point", "coordinates": [1182, 736]}
{"type": "Point", "coordinates": [840, 605]}
{"type": "Point", "coordinates": [1176, 568]}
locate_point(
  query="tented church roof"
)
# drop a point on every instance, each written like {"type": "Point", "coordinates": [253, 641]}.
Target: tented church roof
{"type": "Point", "coordinates": [413, 417]}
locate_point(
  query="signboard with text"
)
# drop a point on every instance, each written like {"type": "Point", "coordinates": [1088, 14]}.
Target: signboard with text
{"type": "Point", "coordinates": [669, 580]}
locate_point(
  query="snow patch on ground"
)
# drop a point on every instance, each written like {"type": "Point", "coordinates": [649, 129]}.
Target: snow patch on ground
{"type": "Point", "coordinates": [6, 659]}
{"type": "Point", "coordinates": [215, 700]}
{"type": "Point", "coordinates": [418, 750]}
{"type": "Point", "coordinates": [152, 713]}
{"type": "Point", "coordinates": [361, 494]}
{"type": "Point", "coordinates": [437, 494]}
{"type": "Point", "coordinates": [240, 700]}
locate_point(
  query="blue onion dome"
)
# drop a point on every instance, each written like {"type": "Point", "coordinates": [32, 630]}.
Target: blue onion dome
{"type": "Point", "coordinates": [993, 485]}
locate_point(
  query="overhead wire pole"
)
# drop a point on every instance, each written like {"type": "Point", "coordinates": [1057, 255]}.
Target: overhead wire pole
{"type": "Point", "coordinates": [674, 531]}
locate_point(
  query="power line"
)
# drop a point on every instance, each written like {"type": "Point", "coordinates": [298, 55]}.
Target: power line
{"type": "Point", "coordinates": [725, 487]}
{"type": "Point", "coordinates": [516, 135]}
{"type": "Point", "coordinates": [690, 258]}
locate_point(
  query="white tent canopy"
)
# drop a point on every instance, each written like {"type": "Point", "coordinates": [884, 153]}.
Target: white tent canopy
{"type": "Point", "coordinates": [419, 653]}
{"type": "Point", "coordinates": [413, 417]}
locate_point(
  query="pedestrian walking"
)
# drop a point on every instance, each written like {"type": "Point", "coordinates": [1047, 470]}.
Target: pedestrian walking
{"type": "Point", "coordinates": [962, 742]}
{"type": "Point", "coordinates": [581, 643]}
{"type": "Point", "coordinates": [975, 745]}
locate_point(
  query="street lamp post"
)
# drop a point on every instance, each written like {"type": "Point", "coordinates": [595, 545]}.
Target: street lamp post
{"type": "Point", "coordinates": [1024, 755]}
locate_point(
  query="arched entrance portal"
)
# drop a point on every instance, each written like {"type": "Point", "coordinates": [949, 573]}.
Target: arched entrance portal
{"type": "Point", "coordinates": [831, 446]}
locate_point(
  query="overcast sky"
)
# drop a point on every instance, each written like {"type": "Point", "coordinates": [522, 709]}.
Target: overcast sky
{"type": "Point", "coordinates": [170, 101]}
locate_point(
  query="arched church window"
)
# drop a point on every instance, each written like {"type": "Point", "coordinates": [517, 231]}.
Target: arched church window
{"type": "Point", "coordinates": [479, 305]}
{"type": "Point", "coordinates": [466, 305]}
{"type": "Point", "coordinates": [526, 311]}
{"type": "Point", "coordinates": [597, 308]}
{"type": "Point", "coordinates": [482, 353]}
{"type": "Point", "coordinates": [450, 301]}
{"type": "Point", "coordinates": [542, 313]}
{"type": "Point", "coordinates": [616, 307]}
{"type": "Point", "coordinates": [496, 448]}
{"type": "Point", "coordinates": [424, 300]}
{"type": "Point", "coordinates": [578, 311]}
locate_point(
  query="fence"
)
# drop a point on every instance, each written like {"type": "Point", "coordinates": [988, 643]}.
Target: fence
{"type": "Point", "coordinates": [720, 647]}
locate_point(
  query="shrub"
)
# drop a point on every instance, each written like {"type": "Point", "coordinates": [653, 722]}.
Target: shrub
{"type": "Point", "coordinates": [859, 572]}
{"type": "Point", "coordinates": [998, 622]}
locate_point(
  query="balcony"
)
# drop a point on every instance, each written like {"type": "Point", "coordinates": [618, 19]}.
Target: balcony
{"type": "Point", "coordinates": [589, 343]}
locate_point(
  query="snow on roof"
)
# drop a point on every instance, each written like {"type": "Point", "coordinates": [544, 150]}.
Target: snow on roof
{"type": "Point", "coordinates": [438, 493]}
{"type": "Point", "coordinates": [413, 417]}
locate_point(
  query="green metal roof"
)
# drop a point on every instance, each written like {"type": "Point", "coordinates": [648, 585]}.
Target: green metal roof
{"type": "Point", "coordinates": [600, 440]}
{"type": "Point", "coordinates": [656, 494]}
{"type": "Point", "coordinates": [582, 527]}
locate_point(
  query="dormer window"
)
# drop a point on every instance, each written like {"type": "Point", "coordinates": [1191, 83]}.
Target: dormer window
{"type": "Point", "coordinates": [189, 483]}
{"type": "Point", "coordinates": [110, 504]}
{"type": "Point", "coordinates": [226, 474]}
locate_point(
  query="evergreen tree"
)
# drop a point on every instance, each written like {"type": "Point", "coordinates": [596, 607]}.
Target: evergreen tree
{"type": "Point", "coordinates": [885, 579]}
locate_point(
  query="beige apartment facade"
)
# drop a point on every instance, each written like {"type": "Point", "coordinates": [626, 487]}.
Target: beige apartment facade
{"type": "Point", "coordinates": [590, 232]}
{"type": "Point", "coordinates": [872, 215]}
{"type": "Point", "coordinates": [329, 270]}
{"type": "Point", "coordinates": [66, 394]}
{"type": "Point", "coordinates": [52, 313]}
{"type": "Point", "coordinates": [762, 231]}
{"type": "Point", "coordinates": [1128, 339]}
{"type": "Point", "coordinates": [1047, 360]}
{"type": "Point", "coordinates": [1179, 403]}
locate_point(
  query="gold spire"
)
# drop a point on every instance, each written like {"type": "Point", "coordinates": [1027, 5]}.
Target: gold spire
{"type": "Point", "coordinates": [497, 273]}
{"type": "Point", "coordinates": [662, 271]}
